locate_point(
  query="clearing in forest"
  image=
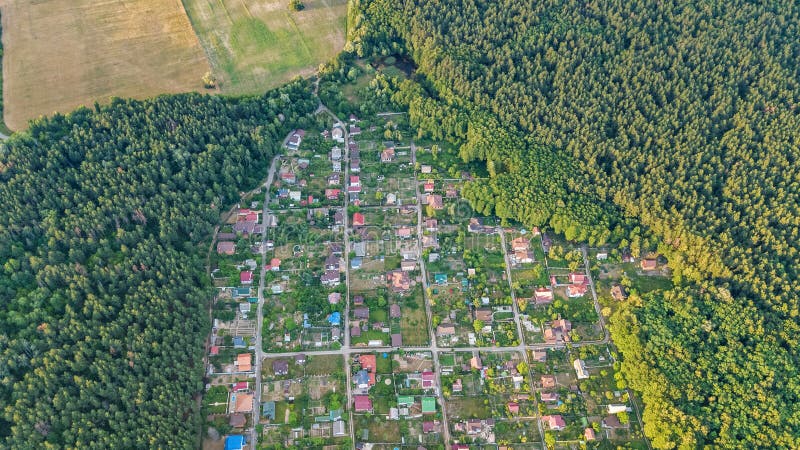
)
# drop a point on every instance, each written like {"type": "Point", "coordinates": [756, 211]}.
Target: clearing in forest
{"type": "Point", "coordinates": [254, 45]}
{"type": "Point", "coordinates": [60, 54]}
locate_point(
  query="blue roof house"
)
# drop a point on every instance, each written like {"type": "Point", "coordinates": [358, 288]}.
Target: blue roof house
{"type": "Point", "coordinates": [238, 342]}
{"type": "Point", "coordinates": [441, 278]}
{"type": "Point", "coordinates": [235, 442]}
{"type": "Point", "coordinates": [335, 319]}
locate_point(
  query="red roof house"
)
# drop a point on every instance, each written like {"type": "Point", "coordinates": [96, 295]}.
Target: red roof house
{"type": "Point", "coordinates": [246, 277]}
{"type": "Point", "coordinates": [358, 220]}
{"type": "Point", "coordinates": [362, 403]}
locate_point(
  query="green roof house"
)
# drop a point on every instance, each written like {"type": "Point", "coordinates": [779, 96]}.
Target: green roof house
{"type": "Point", "coordinates": [428, 405]}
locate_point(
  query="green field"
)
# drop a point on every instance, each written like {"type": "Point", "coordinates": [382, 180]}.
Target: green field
{"type": "Point", "coordinates": [253, 45]}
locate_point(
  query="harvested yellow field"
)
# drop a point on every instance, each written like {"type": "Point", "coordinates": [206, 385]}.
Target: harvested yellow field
{"type": "Point", "coordinates": [254, 45]}
{"type": "Point", "coordinates": [60, 54]}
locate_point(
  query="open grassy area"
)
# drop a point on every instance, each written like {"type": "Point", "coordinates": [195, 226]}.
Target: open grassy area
{"type": "Point", "coordinates": [258, 44]}
{"type": "Point", "coordinates": [60, 54]}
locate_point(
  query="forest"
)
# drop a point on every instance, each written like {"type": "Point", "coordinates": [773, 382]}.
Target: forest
{"type": "Point", "coordinates": [106, 217]}
{"type": "Point", "coordinates": [666, 127]}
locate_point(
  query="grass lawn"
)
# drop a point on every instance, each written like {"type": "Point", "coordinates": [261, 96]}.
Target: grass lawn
{"type": "Point", "coordinates": [447, 359]}
{"type": "Point", "coordinates": [254, 45]}
{"type": "Point", "coordinates": [384, 364]}
{"type": "Point", "coordinates": [379, 429]}
{"type": "Point", "coordinates": [414, 323]}
{"type": "Point", "coordinates": [468, 408]}
{"type": "Point", "coordinates": [323, 364]}
{"type": "Point", "coordinates": [60, 54]}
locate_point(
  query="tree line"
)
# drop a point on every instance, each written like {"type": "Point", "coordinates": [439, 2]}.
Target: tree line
{"type": "Point", "coordinates": [623, 121]}
{"type": "Point", "coordinates": [105, 219]}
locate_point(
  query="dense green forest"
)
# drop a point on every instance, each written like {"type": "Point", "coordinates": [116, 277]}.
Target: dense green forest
{"type": "Point", "coordinates": [105, 220]}
{"type": "Point", "coordinates": [617, 121]}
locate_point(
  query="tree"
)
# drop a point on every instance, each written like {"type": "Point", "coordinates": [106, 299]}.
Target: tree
{"type": "Point", "coordinates": [296, 5]}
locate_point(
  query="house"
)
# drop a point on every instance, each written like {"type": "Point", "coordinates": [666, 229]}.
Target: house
{"type": "Point", "coordinates": [408, 266]}
{"type": "Point", "coordinates": [611, 421]}
{"type": "Point", "coordinates": [238, 342]}
{"type": "Point", "coordinates": [589, 434]}
{"type": "Point", "coordinates": [334, 179]}
{"type": "Point", "coordinates": [428, 427]}
{"type": "Point", "coordinates": [428, 380]}
{"type": "Point", "coordinates": [355, 181]}
{"type": "Point", "coordinates": [618, 292]}
{"type": "Point", "coordinates": [428, 186]}
{"type": "Point", "coordinates": [358, 220]}
{"type": "Point", "coordinates": [336, 167]}
{"type": "Point", "coordinates": [403, 232]}
{"type": "Point", "coordinates": [520, 244]}
{"type": "Point", "coordinates": [397, 340]}
{"type": "Point", "coordinates": [336, 154]}
{"type": "Point", "coordinates": [246, 277]}
{"type": "Point", "coordinates": [428, 405]}
{"type": "Point", "coordinates": [577, 278]}
{"type": "Point", "coordinates": [555, 422]}
{"type": "Point", "coordinates": [458, 386]}
{"type": "Point", "coordinates": [440, 278]}
{"type": "Point", "coordinates": [300, 359]}
{"type": "Point", "coordinates": [602, 256]}
{"type": "Point", "coordinates": [360, 249]}
{"type": "Point", "coordinates": [549, 397]}
{"type": "Point", "coordinates": [539, 355]}
{"type": "Point", "coordinates": [649, 264]}
{"type": "Point", "coordinates": [335, 318]}
{"type": "Point", "coordinates": [548, 381]}
{"type": "Point", "coordinates": [244, 403]}
{"type": "Point", "coordinates": [355, 165]}
{"type": "Point", "coordinates": [391, 198]}
{"type": "Point", "coordinates": [280, 367]}
{"type": "Point", "coordinates": [580, 369]}
{"type": "Point", "coordinates": [332, 194]}
{"type": "Point", "coordinates": [368, 362]}
{"type": "Point", "coordinates": [576, 290]}
{"type": "Point", "coordinates": [355, 263]}
{"type": "Point", "coordinates": [484, 315]}
{"type": "Point", "coordinates": [445, 329]}
{"type": "Point", "coordinates": [354, 130]}
{"type": "Point", "coordinates": [362, 379]}
{"type": "Point", "coordinates": [226, 248]}
{"type": "Point", "coordinates": [387, 155]}
{"type": "Point", "coordinates": [332, 262]}
{"type": "Point", "coordinates": [617, 408]}
{"type": "Point", "coordinates": [433, 200]}
{"type": "Point", "coordinates": [547, 242]}
{"type": "Point", "coordinates": [240, 386]}
{"type": "Point", "coordinates": [243, 362]}
{"type": "Point", "coordinates": [335, 249]}
{"type": "Point", "coordinates": [426, 168]}
{"type": "Point", "coordinates": [358, 300]}
{"type": "Point", "coordinates": [362, 403]}
{"type": "Point", "coordinates": [336, 333]}
{"type": "Point", "coordinates": [338, 428]}
{"type": "Point", "coordinates": [450, 191]}
{"type": "Point", "coordinates": [353, 118]}
{"type": "Point", "coordinates": [543, 295]}
{"type": "Point", "coordinates": [432, 225]}
{"type": "Point", "coordinates": [295, 139]}
{"type": "Point", "coordinates": [475, 362]}
{"type": "Point", "coordinates": [513, 407]}
{"type": "Point", "coordinates": [562, 324]}
{"type": "Point", "coordinates": [289, 177]}
{"type": "Point", "coordinates": [237, 420]}
{"type": "Point", "coordinates": [334, 298]}
{"type": "Point", "coordinates": [522, 257]}
{"type": "Point", "coordinates": [430, 241]}
{"type": "Point", "coordinates": [338, 220]}
{"type": "Point", "coordinates": [330, 278]}
{"type": "Point", "coordinates": [235, 442]}
{"type": "Point", "coordinates": [394, 311]}
{"type": "Point", "coordinates": [399, 281]}
{"type": "Point", "coordinates": [337, 133]}
{"type": "Point", "coordinates": [361, 312]}
{"type": "Point", "coordinates": [355, 331]}
{"type": "Point", "coordinates": [268, 410]}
